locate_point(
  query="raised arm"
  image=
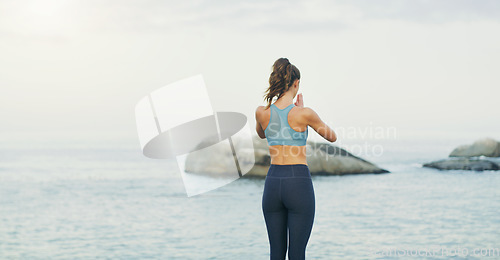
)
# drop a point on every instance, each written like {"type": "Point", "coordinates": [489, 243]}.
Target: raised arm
{"type": "Point", "coordinates": [319, 126]}
{"type": "Point", "coordinates": [258, 127]}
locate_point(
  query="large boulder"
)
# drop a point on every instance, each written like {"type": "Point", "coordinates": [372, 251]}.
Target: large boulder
{"type": "Point", "coordinates": [463, 164]}
{"type": "Point", "coordinates": [328, 159]}
{"type": "Point", "coordinates": [322, 159]}
{"type": "Point", "coordinates": [488, 147]}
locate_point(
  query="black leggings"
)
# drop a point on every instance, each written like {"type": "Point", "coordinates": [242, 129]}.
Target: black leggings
{"type": "Point", "coordinates": [288, 202]}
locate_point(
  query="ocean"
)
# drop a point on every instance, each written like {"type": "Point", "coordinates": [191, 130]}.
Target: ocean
{"type": "Point", "coordinates": [102, 199]}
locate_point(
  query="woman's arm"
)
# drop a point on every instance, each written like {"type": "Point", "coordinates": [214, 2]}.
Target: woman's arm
{"type": "Point", "coordinates": [319, 126]}
{"type": "Point", "coordinates": [259, 129]}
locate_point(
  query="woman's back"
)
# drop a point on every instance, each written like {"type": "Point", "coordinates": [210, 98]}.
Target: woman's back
{"type": "Point", "coordinates": [298, 118]}
{"type": "Point", "coordinates": [286, 132]}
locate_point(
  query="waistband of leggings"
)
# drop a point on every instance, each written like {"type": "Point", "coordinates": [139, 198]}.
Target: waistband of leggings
{"type": "Point", "coordinates": [289, 170]}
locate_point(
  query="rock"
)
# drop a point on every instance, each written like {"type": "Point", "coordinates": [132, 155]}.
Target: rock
{"type": "Point", "coordinates": [483, 147]}
{"type": "Point", "coordinates": [218, 161]}
{"type": "Point", "coordinates": [327, 159]}
{"type": "Point", "coordinates": [463, 164]}
{"type": "Point", "coordinates": [322, 159]}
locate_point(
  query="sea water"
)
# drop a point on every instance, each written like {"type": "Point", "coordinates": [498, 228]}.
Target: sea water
{"type": "Point", "coordinates": [103, 199]}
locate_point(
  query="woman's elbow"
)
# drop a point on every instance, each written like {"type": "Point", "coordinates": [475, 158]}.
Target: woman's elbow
{"type": "Point", "coordinates": [333, 138]}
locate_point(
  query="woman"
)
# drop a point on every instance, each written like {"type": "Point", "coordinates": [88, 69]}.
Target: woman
{"type": "Point", "coordinates": [288, 201]}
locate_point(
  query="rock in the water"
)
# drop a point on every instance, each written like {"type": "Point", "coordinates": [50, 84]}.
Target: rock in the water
{"type": "Point", "coordinates": [327, 159]}
{"type": "Point", "coordinates": [483, 147]}
{"type": "Point", "coordinates": [322, 159]}
{"type": "Point", "coordinates": [463, 164]}
{"type": "Point", "coordinates": [218, 161]}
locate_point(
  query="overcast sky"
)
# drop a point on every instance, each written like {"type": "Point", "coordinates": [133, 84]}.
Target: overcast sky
{"type": "Point", "coordinates": [79, 67]}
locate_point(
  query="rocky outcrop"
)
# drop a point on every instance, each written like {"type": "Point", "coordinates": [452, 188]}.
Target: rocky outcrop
{"type": "Point", "coordinates": [322, 159]}
{"type": "Point", "coordinates": [466, 157]}
{"type": "Point", "coordinates": [463, 164]}
{"type": "Point", "coordinates": [488, 147]}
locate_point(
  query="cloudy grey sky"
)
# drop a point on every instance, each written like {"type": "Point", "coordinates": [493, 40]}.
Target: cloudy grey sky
{"type": "Point", "coordinates": [77, 68]}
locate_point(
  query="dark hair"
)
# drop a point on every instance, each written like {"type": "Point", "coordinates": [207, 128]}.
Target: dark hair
{"type": "Point", "coordinates": [282, 78]}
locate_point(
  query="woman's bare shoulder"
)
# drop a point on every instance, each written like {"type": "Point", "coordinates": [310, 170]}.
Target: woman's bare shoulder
{"type": "Point", "coordinates": [259, 110]}
{"type": "Point", "coordinates": [307, 113]}
{"type": "Point", "coordinates": [305, 110]}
